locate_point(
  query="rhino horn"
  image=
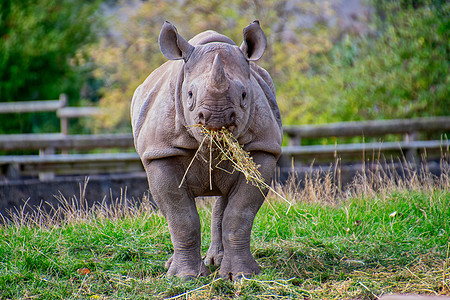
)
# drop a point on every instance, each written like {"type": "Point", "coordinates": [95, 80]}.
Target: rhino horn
{"type": "Point", "coordinates": [218, 77]}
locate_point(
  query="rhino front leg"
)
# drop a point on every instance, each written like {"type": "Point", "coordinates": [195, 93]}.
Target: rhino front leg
{"type": "Point", "coordinates": [179, 209]}
{"type": "Point", "coordinates": [215, 252]}
{"type": "Point", "coordinates": [243, 205]}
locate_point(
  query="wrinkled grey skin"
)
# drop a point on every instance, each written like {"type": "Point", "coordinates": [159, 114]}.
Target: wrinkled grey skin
{"type": "Point", "coordinates": [210, 81]}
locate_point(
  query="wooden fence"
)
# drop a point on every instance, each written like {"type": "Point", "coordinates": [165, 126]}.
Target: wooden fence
{"type": "Point", "coordinates": [54, 160]}
{"type": "Point", "coordinates": [28, 141]}
{"type": "Point", "coordinates": [59, 106]}
{"type": "Point", "coordinates": [411, 147]}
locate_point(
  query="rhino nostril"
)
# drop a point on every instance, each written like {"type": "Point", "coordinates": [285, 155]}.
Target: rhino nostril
{"type": "Point", "coordinates": [232, 118]}
{"type": "Point", "coordinates": [203, 117]}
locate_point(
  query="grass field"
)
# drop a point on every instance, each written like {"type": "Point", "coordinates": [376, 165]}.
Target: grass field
{"type": "Point", "coordinates": [378, 237]}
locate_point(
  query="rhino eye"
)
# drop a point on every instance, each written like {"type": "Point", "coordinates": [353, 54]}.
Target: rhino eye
{"type": "Point", "coordinates": [190, 100]}
{"type": "Point", "coordinates": [244, 100]}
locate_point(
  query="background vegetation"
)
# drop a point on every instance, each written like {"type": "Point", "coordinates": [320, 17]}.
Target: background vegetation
{"type": "Point", "coordinates": [400, 71]}
{"type": "Point", "coordinates": [395, 65]}
{"type": "Point", "coordinates": [40, 46]}
{"type": "Point", "coordinates": [392, 64]}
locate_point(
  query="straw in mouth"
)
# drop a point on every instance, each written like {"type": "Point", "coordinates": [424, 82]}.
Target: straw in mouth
{"type": "Point", "coordinates": [230, 150]}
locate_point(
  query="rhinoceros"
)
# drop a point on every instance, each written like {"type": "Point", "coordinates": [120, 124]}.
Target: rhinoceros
{"type": "Point", "coordinates": [213, 82]}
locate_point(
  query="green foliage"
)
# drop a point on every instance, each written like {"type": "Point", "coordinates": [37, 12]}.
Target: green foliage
{"type": "Point", "coordinates": [399, 71]}
{"type": "Point", "coordinates": [39, 43]}
{"type": "Point", "coordinates": [398, 68]}
{"type": "Point", "coordinates": [403, 73]}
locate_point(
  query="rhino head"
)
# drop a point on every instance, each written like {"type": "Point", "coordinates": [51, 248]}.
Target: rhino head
{"type": "Point", "coordinates": [216, 88]}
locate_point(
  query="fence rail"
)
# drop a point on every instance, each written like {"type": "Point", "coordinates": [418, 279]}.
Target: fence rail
{"type": "Point", "coordinates": [61, 164]}
{"type": "Point", "coordinates": [59, 106]}
{"type": "Point", "coordinates": [31, 106]}
{"type": "Point", "coordinates": [408, 127]}
{"type": "Point", "coordinates": [358, 148]}
{"type": "Point", "coordinates": [48, 163]}
{"type": "Point", "coordinates": [64, 142]}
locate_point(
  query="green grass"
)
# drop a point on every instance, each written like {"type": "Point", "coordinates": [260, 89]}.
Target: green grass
{"type": "Point", "coordinates": [361, 246]}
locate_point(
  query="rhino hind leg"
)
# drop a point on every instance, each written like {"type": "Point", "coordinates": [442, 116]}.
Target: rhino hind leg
{"type": "Point", "coordinates": [182, 217]}
{"type": "Point", "coordinates": [239, 214]}
{"type": "Point", "coordinates": [215, 252]}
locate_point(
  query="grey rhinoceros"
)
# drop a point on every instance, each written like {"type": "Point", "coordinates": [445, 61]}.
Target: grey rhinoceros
{"type": "Point", "coordinates": [209, 81]}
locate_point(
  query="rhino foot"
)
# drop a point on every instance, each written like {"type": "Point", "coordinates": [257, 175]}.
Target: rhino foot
{"type": "Point", "coordinates": [189, 270]}
{"type": "Point", "coordinates": [235, 269]}
{"type": "Point", "coordinates": [214, 256]}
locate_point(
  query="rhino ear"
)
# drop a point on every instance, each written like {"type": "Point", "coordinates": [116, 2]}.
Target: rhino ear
{"type": "Point", "coordinates": [173, 45]}
{"type": "Point", "coordinates": [255, 41]}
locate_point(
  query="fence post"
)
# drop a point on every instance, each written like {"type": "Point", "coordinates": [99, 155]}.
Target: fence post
{"type": "Point", "coordinates": [64, 121]}
{"type": "Point", "coordinates": [13, 171]}
{"type": "Point", "coordinates": [411, 154]}
{"type": "Point", "coordinates": [294, 140]}
{"type": "Point", "coordinates": [46, 176]}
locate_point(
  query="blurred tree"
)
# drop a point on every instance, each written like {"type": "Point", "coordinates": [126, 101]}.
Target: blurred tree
{"type": "Point", "coordinates": [400, 72]}
{"type": "Point", "coordinates": [39, 43]}
{"type": "Point", "coordinates": [396, 67]}
{"type": "Point", "coordinates": [403, 73]}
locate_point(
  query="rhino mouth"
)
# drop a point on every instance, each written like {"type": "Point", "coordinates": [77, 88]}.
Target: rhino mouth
{"type": "Point", "coordinates": [216, 121]}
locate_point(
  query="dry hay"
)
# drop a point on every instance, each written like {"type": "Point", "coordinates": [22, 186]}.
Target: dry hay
{"type": "Point", "coordinates": [232, 151]}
